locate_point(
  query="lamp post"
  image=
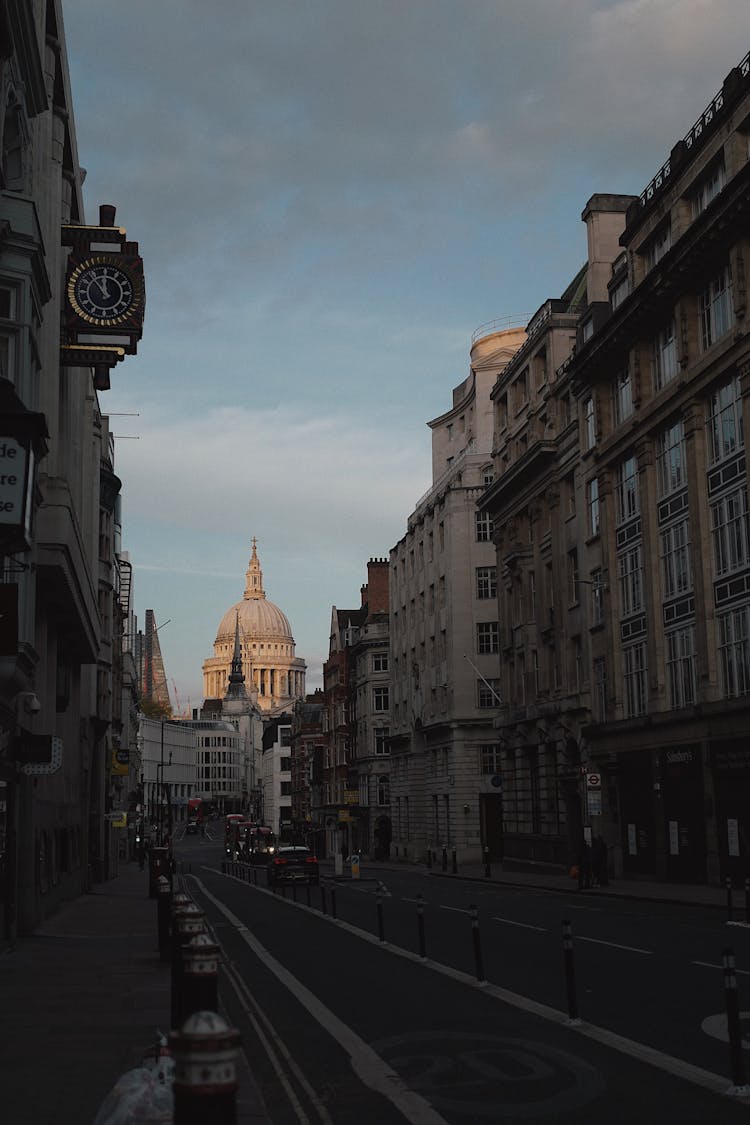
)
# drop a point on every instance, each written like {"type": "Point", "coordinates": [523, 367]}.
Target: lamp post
{"type": "Point", "coordinates": [160, 789]}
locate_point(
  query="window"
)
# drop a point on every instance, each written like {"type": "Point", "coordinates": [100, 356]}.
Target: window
{"type": "Point", "coordinates": [619, 292]}
{"type": "Point", "coordinates": [597, 597]}
{"type": "Point", "coordinates": [380, 662]}
{"type": "Point", "coordinates": [489, 759]}
{"type": "Point", "coordinates": [484, 527]}
{"type": "Point", "coordinates": [623, 396]}
{"type": "Point", "coordinates": [664, 356]}
{"type": "Point", "coordinates": [716, 308]}
{"type": "Point", "coordinates": [521, 389]}
{"type": "Point", "coordinates": [572, 576]}
{"type": "Point", "coordinates": [593, 506]}
{"type": "Point", "coordinates": [589, 422]}
{"type": "Point", "coordinates": [631, 581]}
{"type": "Point", "coordinates": [285, 764]}
{"type": "Point", "coordinates": [380, 699]}
{"type": "Point", "coordinates": [681, 666]}
{"type": "Point", "coordinates": [734, 651]}
{"type": "Point", "coordinates": [675, 559]}
{"type": "Point", "coordinates": [7, 332]}
{"type": "Point", "coordinates": [627, 489]}
{"type": "Point", "coordinates": [488, 693]}
{"type": "Point", "coordinates": [486, 582]}
{"type": "Point", "coordinates": [286, 788]}
{"type": "Point", "coordinates": [381, 740]}
{"type": "Point", "coordinates": [725, 433]}
{"type": "Point", "coordinates": [659, 245]}
{"type": "Point", "coordinates": [487, 637]}
{"type": "Point", "coordinates": [709, 187]}
{"type": "Point", "coordinates": [384, 790]}
{"type": "Point", "coordinates": [729, 532]}
{"type": "Point", "coordinates": [488, 476]}
{"type": "Point", "coordinates": [671, 469]}
{"type": "Point", "coordinates": [634, 665]}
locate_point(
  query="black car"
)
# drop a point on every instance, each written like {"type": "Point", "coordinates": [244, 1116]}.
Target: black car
{"type": "Point", "coordinates": [191, 828]}
{"type": "Point", "coordinates": [293, 864]}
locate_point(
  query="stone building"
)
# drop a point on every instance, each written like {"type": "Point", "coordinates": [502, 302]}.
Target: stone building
{"type": "Point", "coordinates": [307, 743]}
{"type": "Point", "coordinates": [60, 720]}
{"type": "Point", "coordinates": [620, 506]}
{"type": "Point", "coordinates": [444, 627]}
{"type": "Point", "coordinates": [269, 664]}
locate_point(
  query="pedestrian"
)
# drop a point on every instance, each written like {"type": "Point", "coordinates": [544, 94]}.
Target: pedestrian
{"type": "Point", "coordinates": [599, 862]}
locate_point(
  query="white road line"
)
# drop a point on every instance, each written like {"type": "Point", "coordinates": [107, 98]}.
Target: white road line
{"type": "Point", "coordinates": [706, 1079]}
{"type": "Point", "coordinates": [366, 1063]}
{"type": "Point", "coordinates": [457, 909]}
{"type": "Point", "coordinates": [708, 965]}
{"type": "Point", "coordinates": [525, 925]}
{"type": "Point", "coordinates": [598, 941]}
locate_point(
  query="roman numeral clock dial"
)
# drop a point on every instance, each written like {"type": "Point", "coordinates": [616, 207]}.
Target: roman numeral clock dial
{"type": "Point", "coordinates": [101, 292]}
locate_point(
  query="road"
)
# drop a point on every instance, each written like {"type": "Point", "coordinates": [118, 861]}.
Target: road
{"type": "Point", "coordinates": [341, 1027]}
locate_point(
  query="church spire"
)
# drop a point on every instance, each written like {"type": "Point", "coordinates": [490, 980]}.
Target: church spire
{"type": "Point", "coordinates": [254, 576]}
{"type": "Point", "coordinates": [236, 685]}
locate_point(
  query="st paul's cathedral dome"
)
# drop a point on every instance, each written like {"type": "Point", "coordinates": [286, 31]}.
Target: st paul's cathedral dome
{"type": "Point", "coordinates": [267, 645]}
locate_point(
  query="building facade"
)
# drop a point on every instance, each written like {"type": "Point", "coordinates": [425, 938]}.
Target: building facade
{"type": "Point", "coordinates": [444, 629]}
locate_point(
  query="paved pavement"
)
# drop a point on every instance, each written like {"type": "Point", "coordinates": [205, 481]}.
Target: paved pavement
{"type": "Point", "coordinates": [83, 997]}
{"type": "Point", "coordinates": [81, 1000]}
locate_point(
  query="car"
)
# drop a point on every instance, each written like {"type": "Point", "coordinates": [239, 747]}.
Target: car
{"type": "Point", "coordinates": [192, 828]}
{"type": "Point", "coordinates": [291, 864]}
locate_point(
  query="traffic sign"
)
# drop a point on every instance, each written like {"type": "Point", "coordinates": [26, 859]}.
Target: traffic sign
{"type": "Point", "coordinates": [593, 781]}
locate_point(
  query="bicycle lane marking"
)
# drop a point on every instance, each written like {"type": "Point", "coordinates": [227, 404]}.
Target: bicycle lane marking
{"type": "Point", "coordinates": [369, 1067]}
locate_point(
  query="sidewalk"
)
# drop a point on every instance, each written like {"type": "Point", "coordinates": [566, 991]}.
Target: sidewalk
{"type": "Point", "coordinates": [82, 999]}
{"type": "Point", "coordinates": [539, 876]}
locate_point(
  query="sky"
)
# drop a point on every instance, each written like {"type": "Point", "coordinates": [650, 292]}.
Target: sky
{"type": "Point", "coordinates": [330, 197]}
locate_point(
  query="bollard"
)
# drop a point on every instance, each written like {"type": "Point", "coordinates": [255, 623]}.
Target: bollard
{"type": "Point", "coordinates": [158, 864]}
{"type": "Point", "coordinates": [478, 960]}
{"type": "Point", "coordinates": [200, 976]}
{"type": "Point", "coordinates": [333, 901]}
{"type": "Point", "coordinates": [454, 862]}
{"type": "Point", "coordinates": [728, 883]}
{"type": "Point", "coordinates": [429, 857]}
{"type": "Point", "coordinates": [445, 859]}
{"type": "Point", "coordinates": [188, 923]}
{"type": "Point", "coordinates": [205, 1052]}
{"type": "Point", "coordinates": [570, 972]}
{"type": "Point", "coordinates": [294, 890]}
{"type": "Point", "coordinates": [747, 899]}
{"type": "Point", "coordinates": [323, 896]}
{"type": "Point", "coordinates": [255, 876]}
{"type": "Point", "coordinates": [420, 926]}
{"type": "Point", "coordinates": [163, 912]}
{"type": "Point", "coordinates": [379, 904]}
{"type": "Point", "coordinates": [487, 867]}
{"type": "Point", "coordinates": [739, 1081]}
{"type": "Point", "coordinates": [307, 887]}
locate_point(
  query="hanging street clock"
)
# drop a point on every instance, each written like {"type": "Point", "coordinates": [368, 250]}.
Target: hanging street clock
{"type": "Point", "coordinates": [104, 297]}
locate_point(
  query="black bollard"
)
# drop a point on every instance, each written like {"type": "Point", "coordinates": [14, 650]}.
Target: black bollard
{"type": "Point", "coordinates": [379, 904]}
{"type": "Point", "coordinates": [445, 859]}
{"type": "Point", "coordinates": [255, 876]}
{"type": "Point", "coordinates": [478, 960]}
{"type": "Point", "coordinates": [294, 889]}
{"type": "Point", "coordinates": [420, 926]}
{"type": "Point", "coordinates": [307, 888]}
{"type": "Point", "coordinates": [487, 867]}
{"type": "Point", "coordinates": [163, 913]}
{"type": "Point", "coordinates": [728, 883]}
{"type": "Point", "coordinates": [188, 923]}
{"type": "Point", "coordinates": [570, 972]}
{"type": "Point", "coordinates": [205, 1052]}
{"type": "Point", "coordinates": [739, 1081]}
{"type": "Point", "coordinates": [747, 899]}
{"type": "Point", "coordinates": [323, 896]}
{"type": "Point", "coordinates": [429, 857]}
{"type": "Point", "coordinates": [454, 862]}
{"type": "Point", "coordinates": [200, 976]}
{"type": "Point", "coordinates": [333, 901]}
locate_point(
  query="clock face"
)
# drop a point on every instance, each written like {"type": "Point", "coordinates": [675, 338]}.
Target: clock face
{"type": "Point", "coordinates": [101, 292]}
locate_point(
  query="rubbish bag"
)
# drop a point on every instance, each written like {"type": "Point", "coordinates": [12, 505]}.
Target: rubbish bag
{"type": "Point", "coordinates": [140, 1097]}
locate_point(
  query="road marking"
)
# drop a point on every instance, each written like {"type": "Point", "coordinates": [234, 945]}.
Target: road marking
{"type": "Point", "coordinates": [457, 909]}
{"type": "Point", "coordinates": [598, 941]}
{"type": "Point", "coordinates": [525, 925]}
{"type": "Point", "coordinates": [373, 1071]}
{"type": "Point", "coordinates": [708, 965]}
{"type": "Point", "coordinates": [706, 1079]}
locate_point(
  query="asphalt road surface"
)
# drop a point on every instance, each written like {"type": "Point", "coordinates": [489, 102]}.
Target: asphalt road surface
{"type": "Point", "coordinates": [341, 1027]}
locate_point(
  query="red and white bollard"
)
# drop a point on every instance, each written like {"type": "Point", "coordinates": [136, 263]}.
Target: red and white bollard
{"type": "Point", "coordinates": [200, 976]}
{"type": "Point", "coordinates": [205, 1052]}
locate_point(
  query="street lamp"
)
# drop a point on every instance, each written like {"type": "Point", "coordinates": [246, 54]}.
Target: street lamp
{"type": "Point", "coordinates": [160, 786]}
